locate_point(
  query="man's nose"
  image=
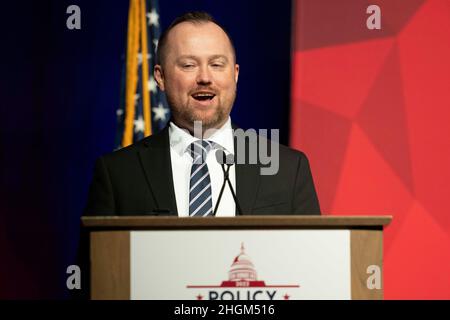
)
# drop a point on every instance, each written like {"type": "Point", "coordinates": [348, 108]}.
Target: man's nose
{"type": "Point", "coordinates": [203, 76]}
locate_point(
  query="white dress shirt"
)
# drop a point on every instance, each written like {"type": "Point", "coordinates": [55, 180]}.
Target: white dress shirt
{"type": "Point", "coordinates": [181, 160]}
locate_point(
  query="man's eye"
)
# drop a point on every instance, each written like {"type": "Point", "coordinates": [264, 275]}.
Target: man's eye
{"type": "Point", "coordinates": [217, 65]}
{"type": "Point", "coordinates": [187, 66]}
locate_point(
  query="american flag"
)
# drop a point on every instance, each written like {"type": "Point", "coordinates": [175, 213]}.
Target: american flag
{"type": "Point", "coordinates": [143, 108]}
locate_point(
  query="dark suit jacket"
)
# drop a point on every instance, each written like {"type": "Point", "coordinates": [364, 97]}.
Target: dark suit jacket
{"type": "Point", "coordinates": [137, 180]}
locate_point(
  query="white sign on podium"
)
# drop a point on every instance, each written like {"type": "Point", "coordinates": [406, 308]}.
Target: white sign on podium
{"type": "Point", "coordinates": [240, 265]}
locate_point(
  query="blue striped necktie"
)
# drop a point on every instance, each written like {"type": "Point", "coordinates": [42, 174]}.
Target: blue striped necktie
{"type": "Point", "coordinates": [200, 197]}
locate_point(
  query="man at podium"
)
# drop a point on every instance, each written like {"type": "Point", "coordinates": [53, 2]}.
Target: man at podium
{"type": "Point", "coordinates": [201, 164]}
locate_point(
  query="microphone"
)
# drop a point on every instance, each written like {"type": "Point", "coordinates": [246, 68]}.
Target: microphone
{"type": "Point", "coordinates": [223, 159]}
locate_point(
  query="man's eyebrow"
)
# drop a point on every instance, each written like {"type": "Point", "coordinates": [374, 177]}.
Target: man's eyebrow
{"type": "Point", "coordinates": [213, 57]}
{"type": "Point", "coordinates": [218, 56]}
{"type": "Point", "coordinates": [187, 57]}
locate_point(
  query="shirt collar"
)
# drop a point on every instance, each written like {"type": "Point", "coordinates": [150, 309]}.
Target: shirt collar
{"type": "Point", "coordinates": [180, 139]}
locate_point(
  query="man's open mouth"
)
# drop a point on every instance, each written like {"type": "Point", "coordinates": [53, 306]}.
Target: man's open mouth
{"type": "Point", "coordinates": [203, 96]}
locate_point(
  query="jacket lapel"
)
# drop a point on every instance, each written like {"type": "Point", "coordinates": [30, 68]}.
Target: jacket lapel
{"type": "Point", "coordinates": [155, 160]}
{"type": "Point", "coordinates": [247, 181]}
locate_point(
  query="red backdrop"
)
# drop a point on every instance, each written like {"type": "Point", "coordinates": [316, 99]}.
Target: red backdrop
{"type": "Point", "coordinates": [371, 108]}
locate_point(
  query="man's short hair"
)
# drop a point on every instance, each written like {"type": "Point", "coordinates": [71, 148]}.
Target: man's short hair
{"type": "Point", "coordinates": [195, 17]}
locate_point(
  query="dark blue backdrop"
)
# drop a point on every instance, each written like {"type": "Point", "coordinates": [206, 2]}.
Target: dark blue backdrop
{"type": "Point", "coordinates": [59, 93]}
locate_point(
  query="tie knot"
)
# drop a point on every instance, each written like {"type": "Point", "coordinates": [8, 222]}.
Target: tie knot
{"type": "Point", "coordinates": [199, 150]}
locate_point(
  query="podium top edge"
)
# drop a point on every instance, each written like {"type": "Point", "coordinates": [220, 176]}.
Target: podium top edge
{"type": "Point", "coordinates": [294, 222]}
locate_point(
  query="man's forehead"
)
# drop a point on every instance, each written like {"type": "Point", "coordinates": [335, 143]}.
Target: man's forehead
{"type": "Point", "coordinates": [196, 28]}
{"type": "Point", "coordinates": [198, 35]}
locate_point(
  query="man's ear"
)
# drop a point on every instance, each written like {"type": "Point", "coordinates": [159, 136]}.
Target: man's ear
{"type": "Point", "coordinates": [159, 76]}
{"type": "Point", "coordinates": [236, 72]}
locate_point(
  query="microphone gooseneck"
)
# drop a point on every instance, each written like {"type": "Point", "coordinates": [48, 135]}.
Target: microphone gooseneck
{"type": "Point", "coordinates": [227, 160]}
{"type": "Point", "coordinates": [221, 158]}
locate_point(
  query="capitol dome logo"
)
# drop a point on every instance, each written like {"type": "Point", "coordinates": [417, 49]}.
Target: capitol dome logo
{"type": "Point", "coordinates": [243, 284]}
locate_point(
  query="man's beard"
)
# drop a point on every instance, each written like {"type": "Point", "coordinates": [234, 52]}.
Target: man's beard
{"type": "Point", "coordinates": [187, 115]}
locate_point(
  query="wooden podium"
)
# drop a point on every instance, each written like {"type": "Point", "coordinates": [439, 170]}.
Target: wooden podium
{"type": "Point", "coordinates": [111, 261]}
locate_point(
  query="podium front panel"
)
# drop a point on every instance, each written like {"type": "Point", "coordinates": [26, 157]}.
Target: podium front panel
{"type": "Point", "coordinates": [244, 258]}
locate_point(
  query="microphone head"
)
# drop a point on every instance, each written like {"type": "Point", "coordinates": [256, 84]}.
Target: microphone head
{"type": "Point", "coordinates": [221, 157]}
{"type": "Point", "coordinates": [230, 159]}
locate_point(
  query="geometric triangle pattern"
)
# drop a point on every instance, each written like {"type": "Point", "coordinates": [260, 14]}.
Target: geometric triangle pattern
{"type": "Point", "coordinates": [371, 109]}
